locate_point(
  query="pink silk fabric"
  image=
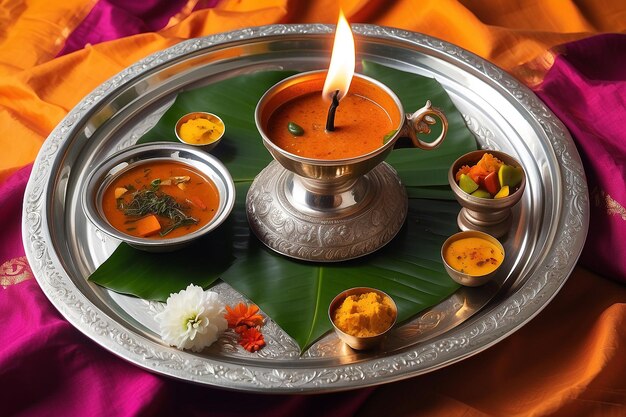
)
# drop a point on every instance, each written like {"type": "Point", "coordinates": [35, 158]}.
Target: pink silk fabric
{"type": "Point", "coordinates": [586, 89]}
{"type": "Point", "coordinates": [11, 198]}
{"type": "Point", "coordinates": [116, 19]}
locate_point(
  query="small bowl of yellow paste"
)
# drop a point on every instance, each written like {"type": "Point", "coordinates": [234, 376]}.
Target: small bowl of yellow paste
{"type": "Point", "coordinates": [362, 316]}
{"type": "Point", "coordinates": [472, 258]}
{"type": "Point", "coordinates": [201, 129]}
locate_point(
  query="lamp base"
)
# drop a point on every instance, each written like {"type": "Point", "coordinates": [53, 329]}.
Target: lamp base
{"type": "Point", "coordinates": [279, 216]}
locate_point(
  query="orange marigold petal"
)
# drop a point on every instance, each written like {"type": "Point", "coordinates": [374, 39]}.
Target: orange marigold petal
{"type": "Point", "coordinates": [251, 339]}
{"type": "Point", "coordinates": [489, 163]}
{"type": "Point", "coordinates": [240, 329]}
{"type": "Point", "coordinates": [233, 315]}
{"type": "Point", "coordinates": [253, 321]}
{"type": "Point", "coordinates": [463, 170]}
{"type": "Point", "coordinates": [243, 314]}
{"type": "Point", "coordinates": [254, 347]}
{"type": "Point", "coordinates": [252, 309]}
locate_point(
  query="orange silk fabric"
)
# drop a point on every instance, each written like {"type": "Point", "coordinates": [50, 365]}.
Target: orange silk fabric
{"type": "Point", "coordinates": [568, 361]}
{"type": "Point", "coordinates": [37, 90]}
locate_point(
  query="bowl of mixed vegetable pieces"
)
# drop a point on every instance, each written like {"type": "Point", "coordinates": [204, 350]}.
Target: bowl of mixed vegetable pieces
{"type": "Point", "coordinates": [487, 184]}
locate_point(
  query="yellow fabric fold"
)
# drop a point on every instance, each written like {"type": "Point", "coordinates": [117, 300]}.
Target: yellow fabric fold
{"type": "Point", "coordinates": [34, 32]}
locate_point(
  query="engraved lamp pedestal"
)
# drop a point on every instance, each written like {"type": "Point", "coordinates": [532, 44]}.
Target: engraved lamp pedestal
{"type": "Point", "coordinates": [326, 224]}
{"type": "Point", "coordinates": [329, 210]}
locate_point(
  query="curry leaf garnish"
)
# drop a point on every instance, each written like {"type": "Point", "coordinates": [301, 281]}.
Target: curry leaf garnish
{"type": "Point", "coordinates": [153, 201]}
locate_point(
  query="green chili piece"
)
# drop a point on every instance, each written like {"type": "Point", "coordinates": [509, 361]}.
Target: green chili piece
{"type": "Point", "coordinates": [389, 135]}
{"type": "Point", "coordinates": [295, 129]}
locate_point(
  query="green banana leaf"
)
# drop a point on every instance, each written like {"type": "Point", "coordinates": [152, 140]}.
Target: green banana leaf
{"type": "Point", "coordinates": [153, 276]}
{"type": "Point", "coordinates": [296, 294]}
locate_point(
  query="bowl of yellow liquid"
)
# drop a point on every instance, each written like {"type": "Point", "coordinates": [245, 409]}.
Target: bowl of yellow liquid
{"type": "Point", "coordinates": [201, 129]}
{"type": "Point", "coordinates": [472, 258]}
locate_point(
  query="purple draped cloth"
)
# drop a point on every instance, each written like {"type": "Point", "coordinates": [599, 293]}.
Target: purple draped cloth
{"type": "Point", "coordinates": [586, 89]}
{"type": "Point", "coordinates": [11, 198]}
{"type": "Point", "coordinates": [116, 19]}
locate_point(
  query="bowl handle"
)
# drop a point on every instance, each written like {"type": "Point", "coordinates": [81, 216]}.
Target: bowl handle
{"type": "Point", "coordinates": [420, 121]}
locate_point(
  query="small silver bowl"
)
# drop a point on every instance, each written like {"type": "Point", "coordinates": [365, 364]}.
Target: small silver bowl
{"type": "Point", "coordinates": [466, 279]}
{"type": "Point", "coordinates": [205, 146]}
{"type": "Point", "coordinates": [492, 216]}
{"type": "Point", "coordinates": [360, 342]}
{"type": "Point", "coordinates": [109, 169]}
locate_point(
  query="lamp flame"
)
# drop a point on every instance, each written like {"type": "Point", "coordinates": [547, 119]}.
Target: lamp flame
{"type": "Point", "coordinates": [342, 61]}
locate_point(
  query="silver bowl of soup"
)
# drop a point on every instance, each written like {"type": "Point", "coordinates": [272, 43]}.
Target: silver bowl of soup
{"type": "Point", "coordinates": [159, 196]}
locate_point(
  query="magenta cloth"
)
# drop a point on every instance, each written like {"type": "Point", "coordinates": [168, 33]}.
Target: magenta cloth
{"type": "Point", "coordinates": [48, 368]}
{"type": "Point", "coordinates": [586, 89]}
{"type": "Point", "coordinates": [11, 198]}
{"type": "Point", "coordinates": [113, 19]}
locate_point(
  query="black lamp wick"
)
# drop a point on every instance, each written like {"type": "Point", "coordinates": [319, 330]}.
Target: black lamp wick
{"type": "Point", "coordinates": [330, 120]}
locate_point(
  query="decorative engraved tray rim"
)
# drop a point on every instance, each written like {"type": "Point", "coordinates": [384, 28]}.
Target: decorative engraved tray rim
{"type": "Point", "coordinates": [488, 327]}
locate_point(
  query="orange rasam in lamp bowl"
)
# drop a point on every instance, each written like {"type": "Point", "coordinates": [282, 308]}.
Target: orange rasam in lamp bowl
{"type": "Point", "coordinates": [295, 119]}
{"type": "Point", "coordinates": [159, 196]}
{"type": "Point", "coordinates": [330, 127]}
{"type": "Point", "coordinates": [333, 114]}
{"type": "Point", "coordinates": [472, 258]}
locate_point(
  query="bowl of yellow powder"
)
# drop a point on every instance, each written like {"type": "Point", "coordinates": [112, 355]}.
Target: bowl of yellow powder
{"type": "Point", "coordinates": [201, 129]}
{"type": "Point", "coordinates": [362, 317]}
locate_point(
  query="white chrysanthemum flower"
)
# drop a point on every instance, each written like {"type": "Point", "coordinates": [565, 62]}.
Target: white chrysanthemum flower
{"type": "Point", "coordinates": [192, 319]}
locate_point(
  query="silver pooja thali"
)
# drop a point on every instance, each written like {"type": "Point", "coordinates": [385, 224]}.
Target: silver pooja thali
{"type": "Point", "coordinates": [549, 225]}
